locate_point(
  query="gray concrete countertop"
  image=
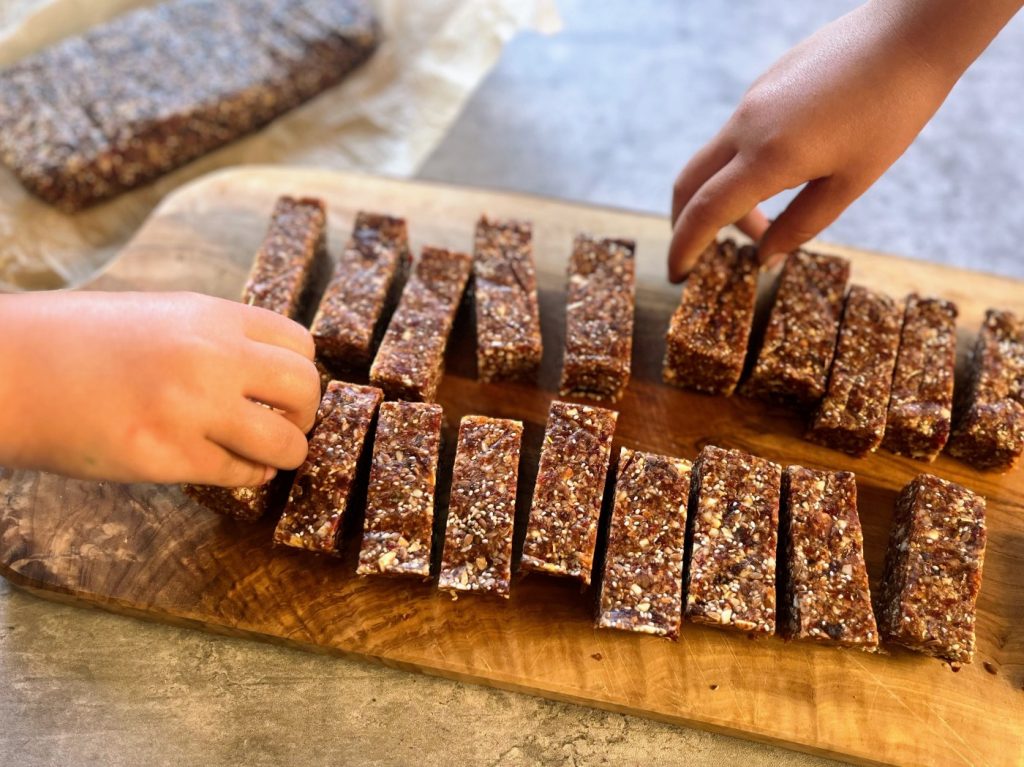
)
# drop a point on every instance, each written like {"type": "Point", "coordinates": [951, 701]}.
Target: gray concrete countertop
{"type": "Point", "coordinates": [606, 112]}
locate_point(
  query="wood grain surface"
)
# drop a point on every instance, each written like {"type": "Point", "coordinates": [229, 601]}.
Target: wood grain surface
{"type": "Point", "coordinates": [148, 551]}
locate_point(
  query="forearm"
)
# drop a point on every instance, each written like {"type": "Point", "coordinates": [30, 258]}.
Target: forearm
{"type": "Point", "coordinates": [948, 34]}
{"type": "Point", "coordinates": [21, 389]}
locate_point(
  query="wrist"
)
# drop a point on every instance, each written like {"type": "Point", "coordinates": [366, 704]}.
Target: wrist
{"type": "Point", "coordinates": [945, 36]}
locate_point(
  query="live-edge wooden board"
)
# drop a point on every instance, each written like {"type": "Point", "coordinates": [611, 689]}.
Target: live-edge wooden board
{"type": "Point", "coordinates": [147, 551]}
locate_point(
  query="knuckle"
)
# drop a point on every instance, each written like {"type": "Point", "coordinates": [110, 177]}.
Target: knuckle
{"type": "Point", "coordinates": [772, 151]}
{"type": "Point", "coordinates": [702, 207]}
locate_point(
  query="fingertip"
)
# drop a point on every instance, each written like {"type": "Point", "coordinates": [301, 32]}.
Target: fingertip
{"type": "Point", "coordinates": [269, 472]}
{"type": "Point", "coordinates": [306, 344]}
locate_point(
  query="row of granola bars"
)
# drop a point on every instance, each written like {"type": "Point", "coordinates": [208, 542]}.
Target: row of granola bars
{"type": "Point", "coordinates": [696, 541]}
{"type": "Point", "coordinates": [871, 372]}
{"type": "Point", "coordinates": [374, 315]}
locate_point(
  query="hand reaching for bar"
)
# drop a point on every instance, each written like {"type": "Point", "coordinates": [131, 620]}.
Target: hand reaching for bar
{"type": "Point", "coordinates": [154, 387]}
{"type": "Point", "coordinates": [832, 114]}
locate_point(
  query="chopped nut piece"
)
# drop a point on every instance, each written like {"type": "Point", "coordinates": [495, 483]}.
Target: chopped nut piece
{"type": "Point", "coordinates": [599, 319]}
{"type": "Point", "coordinates": [989, 431]}
{"type": "Point", "coordinates": [151, 90]}
{"type": "Point", "coordinates": [731, 575]}
{"type": "Point", "coordinates": [410, 361]}
{"type": "Point", "coordinates": [921, 402]}
{"type": "Point", "coordinates": [400, 497]}
{"type": "Point", "coordinates": [825, 594]}
{"type": "Point", "coordinates": [353, 312]}
{"type": "Point", "coordinates": [320, 494]}
{"type": "Point", "coordinates": [800, 338]}
{"type": "Point", "coordinates": [933, 569]}
{"type": "Point", "coordinates": [482, 507]}
{"type": "Point", "coordinates": [851, 418]}
{"type": "Point", "coordinates": [562, 531]}
{"type": "Point", "coordinates": [710, 330]}
{"type": "Point", "coordinates": [508, 339]}
{"type": "Point", "coordinates": [646, 542]}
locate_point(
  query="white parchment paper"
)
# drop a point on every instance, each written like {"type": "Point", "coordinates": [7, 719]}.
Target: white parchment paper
{"type": "Point", "coordinates": [386, 118]}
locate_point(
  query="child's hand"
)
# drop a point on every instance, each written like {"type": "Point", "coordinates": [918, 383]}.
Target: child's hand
{"type": "Point", "coordinates": [156, 387]}
{"type": "Point", "coordinates": [835, 112]}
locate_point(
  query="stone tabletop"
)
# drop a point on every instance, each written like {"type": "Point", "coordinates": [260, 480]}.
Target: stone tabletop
{"type": "Point", "coordinates": [606, 112]}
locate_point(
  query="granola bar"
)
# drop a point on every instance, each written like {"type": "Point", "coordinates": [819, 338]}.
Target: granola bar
{"type": "Point", "coordinates": [481, 511]}
{"type": "Point", "coordinates": [400, 498]}
{"type": "Point", "coordinates": [561, 535]}
{"type": "Point", "coordinates": [989, 430]}
{"type": "Point", "coordinates": [733, 531]}
{"type": "Point", "coordinates": [825, 594]}
{"type": "Point", "coordinates": [153, 89]}
{"type": "Point", "coordinates": [800, 338]}
{"type": "Point", "coordinates": [851, 417]}
{"type": "Point", "coordinates": [247, 504]}
{"type": "Point", "coordinates": [710, 330]}
{"type": "Point", "coordinates": [933, 569]}
{"type": "Point", "coordinates": [508, 339]}
{"type": "Point", "coordinates": [319, 496]}
{"type": "Point", "coordinates": [292, 264]}
{"type": "Point", "coordinates": [286, 277]}
{"type": "Point", "coordinates": [599, 319]}
{"type": "Point", "coordinates": [921, 403]}
{"type": "Point", "coordinates": [410, 361]}
{"type": "Point", "coordinates": [353, 311]}
{"type": "Point", "coordinates": [643, 573]}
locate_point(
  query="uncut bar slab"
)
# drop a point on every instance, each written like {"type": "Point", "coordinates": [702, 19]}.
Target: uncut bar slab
{"type": "Point", "coordinates": [599, 318]}
{"type": "Point", "coordinates": [151, 90]}
{"type": "Point", "coordinates": [399, 520]}
{"type": "Point", "coordinates": [921, 403]}
{"type": "Point", "coordinates": [710, 330]}
{"type": "Point", "coordinates": [292, 264]}
{"type": "Point", "coordinates": [562, 531]}
{"type": "Point", "coordinates": [353, 311]}
{"type": "Point", "coordinates": [734, 524]}
{"type": "Point", "coordinates": [481, 509]}
{"type": "Point", "coordinates": [800, 338]}
{"type": "Point", "coordinates": [825, 593]}
{"type": "Point", "coordinates": [508, 337]}
{"type": "Point", "coordinates": [851, 417]}
{"type": "Point", "coordinates": [933, 569]}
{"type": "Point", "coordinates": [410, 361]}
{"type": "Point", "coordinates": [320, 493]}
{"type": "Point", "coordinates": [989, 429]}
{"type": "Point", "coordinates": [642, 586]}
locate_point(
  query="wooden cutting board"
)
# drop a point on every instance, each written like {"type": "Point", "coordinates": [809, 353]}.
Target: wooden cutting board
{"type": "Point", "coordinates": [147, 551]}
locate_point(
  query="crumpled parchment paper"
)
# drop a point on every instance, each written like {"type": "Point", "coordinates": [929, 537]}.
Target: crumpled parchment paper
{"type": "Point", "coordinates": [386, 118]}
